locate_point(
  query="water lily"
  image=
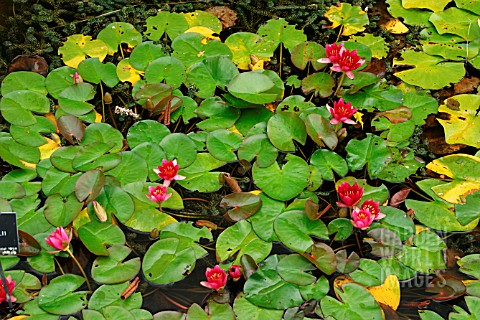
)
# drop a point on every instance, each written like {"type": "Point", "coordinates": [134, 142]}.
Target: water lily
{"type": "Point", "coordinates": [216, 278]}
{"type": "Point", "coordinates": [343, 60]}
{"type": "Point", "coordinates": [349, 195]}
{"type": "Point", "coordinates": [168, 171]}
{"type": "Point", "coordinates": [59, 239]}
{"type": "Point", "coordinates": [10, 286]}
{"type": "Point", "coordinates": [341, 112]}
{"type": "Point", "coordinates": [372, 207]}
{"type": "Point", "coordinates": [158, 193]}
{"type": "Point", "coordinates": [361, 219]}
{"type": "Point", "coordinates": [235, 272]}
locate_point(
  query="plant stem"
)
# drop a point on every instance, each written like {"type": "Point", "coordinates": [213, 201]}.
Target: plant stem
{"type": "Point", "coordinates": [339, 83]}
{"type": "Point", "coordinates": [280, 62]}
{"type": "Point", "coordinates": [81, 269]}
{"type": "Point", "coordinates": [103, 102]}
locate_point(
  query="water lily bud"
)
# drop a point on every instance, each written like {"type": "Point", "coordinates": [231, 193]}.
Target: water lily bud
{"type": "Point", "coordinates": [107, 98]}
{"type": "Point", "coordinates": [77, 78]}
{"type": "Point", "coordinates": [205, 223]}
{"type": "Point", "coordinates": [154, 233]}
{"type": "Point", "coordinates": [99, 211]}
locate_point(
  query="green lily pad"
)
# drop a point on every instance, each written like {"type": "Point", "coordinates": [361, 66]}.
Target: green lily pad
{"type": "Point", "coordinates": [203, 19]}
{"type": "Point", "coordinates": [42, 262]}
{"type": "Point", "coordinates": [111, 295]}
{"type": "Point", "coordinates": [78, 46]}
{"type": "Point", "coordinates": [468, 212]}
{"type": "Point", "coordinates": [31, 136]}
{"type": "Point", "coordinates": [145, 217]}
{"type": "Point", "coordinates": [240, 239]}
{"type": "Point", "coordinates": [117, 33]}
{"type": "Point", "coordinates": [111, 269]}
{"type": "Point", "coordinates": [320, 83]}
{"type": "Point", "coordinates": [132, 168]}
{"type": "Point", "coordinates": [189, 235]}
{"type": "Point", "coordinates": [326, 162]}
{"type": "Point", "coordinates": [347, 264]}
{"type": "Point", "coordinates": [244, 309]}
{"type": "Point", "coordinates": [146, 131]}
{"type": "Point", "coordinates": [219, 115]}
{"type": "Point", "coordinates": [294, 229]}
{"type": "Point", "coordinates": [410, 16]}
{"type": "Point", "coordinates": [60, 211]}
{"type": "Point", "coordinates": [429, 72]}
{"type": "Point", "coordinates": [372, 151]}
{"type": "Point", "coordinates": [457, 21]}
{"type": "Point", "coordinates": [97, 236]}
{"type": "Point", "coordinates": [257, 87]}
{"type": "Point", "coordinates": [25, 282]}
{"type": "Point", "coordinates": [341, 227]}
{"type": "Point", "coordinates": [274, 180]}
{"type": "Point", "coordinates": [469, 264]}
{"type": "Point", "coordinates": [262, 220]}
{"type": "Point", "coordinates": [259, 146]}
{"type": "Point", "coordinates": [435, 5]}
{"type": "Point", "coordinates": [355, 302]}
{"type": "Point", "coordinates": [58, 80]}
{"type": "Point", "coordinates": [468, 5]}
{"type": "Point", "coordinates": [94, 71]}
{"type": "Point", "coordinates": [17, 107]}
{"type": "Point", "coordinates": [402, 166]}
{"type": "Point", "coordinates": [153, 155]}
{"type": "Point", "coordinates": [198, 175]}
{"type": "Point", "coordinates": [222, 143]}
{"type": "Point", "coordinates": [192, 47]}
{"type": "Point", "coordinates": [283, 128]}
{"type": "Point", "coordinates": [73, 99]}
{"type": "Point", "coordinates": [214, 311]}
{"type": "Point", "coordinates": [143, 54]}
{"type": "Point", "coordinates": [393, 266]}
{"type": "Point", "coordinates": [117, 202]}
{"type": "Point", "coordinates": [59, 296]}
{"type": "Point", "coordinates": [265, 287]}
{"type": "Point", "coordinates": [89, 185]}
{"type": "Point", "coordinates": [380, 96]}
{"type": "Point", "coordinates": [15, 153]}
{"type": "Point", "coordinates": [321, 130]}
{"type": "Point", "coordinates": [168, 260]}
{"type": "Point", "coordinates": [292, 268]}
{"type": "Point", "coordinates": [385, 243]}
{"type": "Point", "coordinates": [168, 69]}
{"type": "Point", "coordinates": [179, 146]}
{"type": "Point", "coordinates": [171, 23]}
{"type": "Point", "coordinates": [437, 215]}
{"type": "Point", "coordinates": [323, 257]}
{"type": "Point", "coordinates": [308, 52]}
{"type": "Point", "coordinates": [279, 31]}
{"type": "Point", "coordinates": [397, 221]}
{"type": "Point", "coordinates": [211, 73]}
{"type": "Point", "coordinates": [245, 44]}
{"type": "Point", "coordinates": [23, 80]}
{"type": "Point", "coordinates": [103, 132]}
{"type": "Point", "coordinates": [377, 44]}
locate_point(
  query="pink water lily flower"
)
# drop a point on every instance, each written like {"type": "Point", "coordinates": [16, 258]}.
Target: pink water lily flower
{"type": "Point", "coordinates": [10, 286]}
{"type": "Point", "coordinates": [235, 272]}
{"type": "Point", "coordinates": [216, 278]}
{"type": "Point", "coordinates": [59, 239]}
{"type": "Point", "coordinates": [341, 112]}
{"type": "Point", "coordinates": [372, 207]}
{"type": "Point", "coordinates": [158, 193]}
{"type": "Point", "coordinates": [349, 195]}
{"type": "Point", "coordinates": [361, 219]}
{"type": "Point", "coordinates": [343, 60]}
{"type": "Point", "coordinates": [168, 171]}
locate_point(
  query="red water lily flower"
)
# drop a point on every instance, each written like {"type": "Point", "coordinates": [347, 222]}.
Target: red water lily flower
{"type": "Point", "coordinates": [341, 112]}
{"type": "Point", "coordinates": [158, 193]}
{"type": "Point", "coordinates": [372, 207]}
{"type": "Point", "coordinates": [343, 60]}
{"type": "Point", "coordinates": [235, 272]}
{"type": "Point", "coordinates": [361, 219]}
{"type": "Point", "coordinates": [216, 278]}
{"type": "Point", "coordinates": [59, 239]}
{"type": "Point", "coordinates": [168, 171]}
{"type": "Point", "coordinates": [10, 286]}
{"type": "Point", "coordinates": [349, 195]}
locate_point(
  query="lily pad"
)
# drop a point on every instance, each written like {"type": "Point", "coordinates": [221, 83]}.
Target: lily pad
{"type": "Point", "coordinates": [279, 31]}
{"type": "Point", "coordinates": [259, 146]}
{"type": "Point", "coordinates": [17, 107]}
{"type": "Point", "coordinates": [143, 54]}
{"type": "Point", "coordinates": [293, 268]}
{"type": "Point", "coordinates": [97, 236]}
{"type": "Point", "coordinates": [94, 71]}
{"type": "Point", "coordinates": [218, 114]}
{"type": "Point", "coordinates": [117, 33]}
{"type": "Point", "coordinates": [179, 146]}
{"type": "Point", "coordinates": [320, 83]}
{"type": "Point", "coordinates": [457, 21]}
{"type": "Point", "coordinates": [326, 162]}
{"type": "Point", "coordinates": [244, 309]}
{"type": "Point", "coordinates": [435, 6]}
{"type": "Point", "coordinates": [73, 99]}
{"type": "Point", "coordinates": [146, 131]}
{"type": "Point", "coordinates": [23, 80]}
{"type": "Point", "coordinates": [283, 128]}
{"type": "Point", "coordinates": [171, 23]}
{"type": "Point", "coordinates": [244, 45]}
{"type": "Point", "coordinates": [262, 220]}
{"type": "Point", "coordinates": [78, 46]}
{"type": "Point", "coordinates": [112, 269]}
{"type": "Point", "coordinates": [192, 47]}
{"type": "Point", "coordinates": [59, 296]}
{"type": "Point", "coordinates": [222, 143]}
{"type": "Point", "coordinates": [168, 69]}
{"type": "Point", "coordinates": [308, 52]}
{"type": "Point", "coordinates": [372, 151]}
{"type": "Point", "coordinates": [351, 18]}
{"type": "Point", "coordinates": [198, 175]}
{"type": "Point", "coordinates": [273, 180]}
{"type": "Point", "coordinates": [257, 87]}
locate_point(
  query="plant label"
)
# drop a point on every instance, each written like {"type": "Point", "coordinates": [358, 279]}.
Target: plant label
{"type": "Point", "coordinates": [8, 234]}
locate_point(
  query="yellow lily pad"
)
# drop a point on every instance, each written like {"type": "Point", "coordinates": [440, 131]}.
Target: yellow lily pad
{"type": "Point", "coordinates": [353, 18]}
{"type": "Point", "coordinates": [78, 47]}
{"type": "Point", "coordinates": [434, 5]}
{"type": "Point", "coordinates": [387, 293]}
{"type": "Point", "coordinates": [464, 122]}
{"type": "Point", "coordinates": [204, 31]}
{"type": "Point", "coordinates": [126, 72]}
